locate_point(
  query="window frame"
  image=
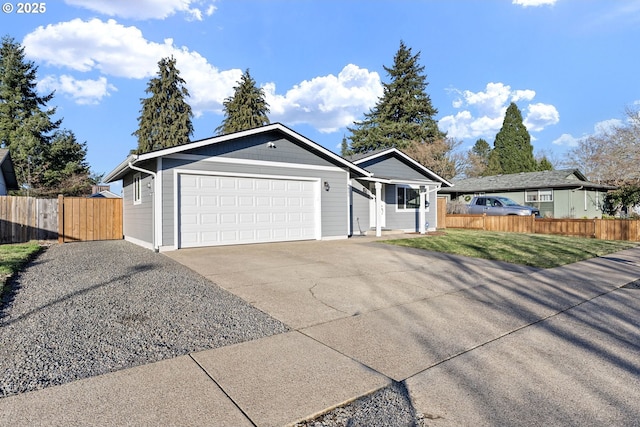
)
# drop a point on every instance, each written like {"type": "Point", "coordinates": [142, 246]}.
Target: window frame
{"type": "Point", "coordinates": [403, 207]}
{"type": "Point", "coordinates": [538, 195]}
{"type": "Point", "coordinates": [137, 188]}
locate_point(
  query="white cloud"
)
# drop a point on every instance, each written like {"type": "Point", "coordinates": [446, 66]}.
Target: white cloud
{"type": "Point", "coordinates": [112, 49]}
{"type": "Point", "coordinates": [540, 116]}
{"type": "Point", "coordinates": [567, 140]}
{"type": "Point", "coordinates": [327, 102]}
{"type": "Point", "coordinates": [599, 128]}
{"type": "Point", "coordinates": [607, 126]}
{"type": "Point", "coordinates": [534, 3]}
{"type": "Point", "coordinates": [119, 51]}
{"type": "Point", "coordinates": [82, 91]}
{"type": "Point", "coordinates": [148, 9]}
{"type": "Point", "coordinates": [483, 112]}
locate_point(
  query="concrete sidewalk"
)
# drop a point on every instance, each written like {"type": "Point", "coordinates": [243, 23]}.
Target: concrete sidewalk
{"type": "Point", "coordinates": [475, 342]}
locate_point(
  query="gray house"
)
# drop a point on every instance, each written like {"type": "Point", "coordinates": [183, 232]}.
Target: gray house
{"type": "Point", "coordinates": [8, 180]}
{"type": "Point", "coordinates": [267, 184]}
{"type": "Point", "coordinates": [562, 193]}
{"type": "Point", "coordinates": [409, 193]}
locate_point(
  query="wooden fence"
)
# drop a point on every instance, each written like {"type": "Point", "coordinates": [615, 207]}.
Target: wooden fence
{"type": "Point", "coordinates": [66, 219]}
{"type": "Point", "coordinates": [605, 229]}
{"type": "Point", "coordinates": [26, 218]}
{"type": "Point", "coordinates": [82, 219]}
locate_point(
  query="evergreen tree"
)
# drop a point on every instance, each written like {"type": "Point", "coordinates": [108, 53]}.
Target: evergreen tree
{"type": "Point", "coordinates": [345, 151]}
{"type": "Point", "coordinates": [246, 109]}
{"type": "Point", "coordinates": [26, 123]}
{"type": "Point", "coordinates": [544, 164]}
{"type": "Point", "coordinates": [512, 151]}
{"type": "Point", "coordinates": [165, 119]}
{"type": "Point", "coordinates": [403, 114]}
{"type": "Point", "coordinates": [67, 169]}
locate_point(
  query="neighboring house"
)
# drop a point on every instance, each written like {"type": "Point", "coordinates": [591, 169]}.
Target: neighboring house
{"type": "Point", "coordinates": [266, 184]}
{"type": "Point", "coordinates": [102, 192]}
{"type": "Point", "coordinates": [562, 193]}
{"type": "Point", "coordinates": [8, 180]}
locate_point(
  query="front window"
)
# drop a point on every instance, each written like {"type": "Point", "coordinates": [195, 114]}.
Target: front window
{"type": "Point", "coordinates": [532, 196]}
{"type": "Point", "coordinates": [408, 198]}
{"type": "Point", "coordinates": [137, 189]}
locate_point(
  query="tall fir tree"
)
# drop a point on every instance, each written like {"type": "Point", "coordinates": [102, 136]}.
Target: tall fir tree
{"type": "Point", "coordinates": [512, 151]}
{"type": "Point", "coordinates": [26, 124]}
{"type": "Point", "coordinates": [404, 114]}
{"type": "Point", "coordinates": [246, 109]}
{"type": "Point", "coordinates": [345, 151]}
{"type": "Point", "coordinates": [165, 117]}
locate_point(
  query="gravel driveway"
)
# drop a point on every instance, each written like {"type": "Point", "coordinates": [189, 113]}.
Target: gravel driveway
{"type": "Point", "coordinates": [85, 309]}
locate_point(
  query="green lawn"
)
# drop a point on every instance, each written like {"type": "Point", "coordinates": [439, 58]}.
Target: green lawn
{"type": "Point", "coordinates": [13, 257]}
{"type": "Point", "coordinates": [536, 250]}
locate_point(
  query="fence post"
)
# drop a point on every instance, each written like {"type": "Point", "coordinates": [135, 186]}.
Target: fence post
{"type": "Point", "coordinates": [60, 218]}
{"type": "Point", "coordinates": [484, 217]}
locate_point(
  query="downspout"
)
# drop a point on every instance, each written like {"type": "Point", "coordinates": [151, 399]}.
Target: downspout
{"type": "Point", "coordinates": [153, 203]}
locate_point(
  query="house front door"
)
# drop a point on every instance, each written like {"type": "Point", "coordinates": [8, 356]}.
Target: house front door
{"type": "Point", "coordinates": [372, 207]}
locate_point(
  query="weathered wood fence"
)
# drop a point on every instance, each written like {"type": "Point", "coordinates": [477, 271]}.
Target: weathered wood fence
{"type": "Point", "coordinates": [64, 219]}
{"type": "Point", "coordinates": [605, 229]}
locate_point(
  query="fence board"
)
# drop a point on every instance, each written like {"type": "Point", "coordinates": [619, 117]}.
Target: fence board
{"type": "Point", "coordinates": [90, 219]}
{"type": "Point", "coordinates": [26, 218]}
{"type": "Point", "coordinates": [605, 229]}
{"type": "Point", "coordinates": [67, 219]}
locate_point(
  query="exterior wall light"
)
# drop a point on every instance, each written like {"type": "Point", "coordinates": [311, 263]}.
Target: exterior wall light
{"type": "Point", "coordinates": [327, 187]}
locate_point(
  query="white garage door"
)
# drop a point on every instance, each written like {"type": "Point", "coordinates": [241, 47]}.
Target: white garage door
{"type": "Point", "coordinates": [224, 210]}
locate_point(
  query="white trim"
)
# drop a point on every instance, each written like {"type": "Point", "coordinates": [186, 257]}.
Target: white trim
{"type": "Point", "coordinates": [405, 186]}
{"type": "Point", "coordinates": [176, 189]}
{"type": "Point", "coordinates": [146, 245]}
{"type": "Point", "coordinates": [136, 187]}
{"type": "Point", "coordinates": [409, 159]}
{"type": "Point", "coordinates": [245, 175]}
{"type": "Point", "coordinates": [237, 161]}
{"type": "Point", "coordinates": [219, 139]}
{"type": "Point", "coordinates": [334, 238]}
{"type": "Point", "coordinates": [349, 204]}
{"type": "Point", "coordinates": [158, 202]}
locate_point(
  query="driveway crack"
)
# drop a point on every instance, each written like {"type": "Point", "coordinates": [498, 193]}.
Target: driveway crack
{"type": "Point", "coordinates": [315, 297]}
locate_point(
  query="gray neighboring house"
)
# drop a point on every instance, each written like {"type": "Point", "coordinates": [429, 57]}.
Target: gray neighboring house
{"type": "Point", "coordinates": [267, 184]}
{"type": "Point", "coordinates": [8, 180]}
{"type": "Point", "coordinates": [564, 193]}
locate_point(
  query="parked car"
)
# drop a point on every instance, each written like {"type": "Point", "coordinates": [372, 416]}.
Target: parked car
{"type": "Point", "coordinates": [496, 205]}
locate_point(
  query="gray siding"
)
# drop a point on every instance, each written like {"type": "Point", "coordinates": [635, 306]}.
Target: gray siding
{"type": "Point", "coordinates": [392, 167]}
{"type": "Point", "coordinates": [408, 219]}
{"type": "Point", "coordinates": [360, 205]}
{"type": "Point", "coordinates": [137, 219]}
{"type": "Point", "coordinates": [334, 203]}
{"type": "Point", "coordinates": [256, 148]}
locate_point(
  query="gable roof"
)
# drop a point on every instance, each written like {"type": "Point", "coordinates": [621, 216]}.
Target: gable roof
{"type": "Point", "coordinates": [563, 178]}
{"type": "Point", "coordinates": [372, 155]}
{"type": "Point", "coordinates": [105, 194]}
{"type": "Point", "coordinates": [124, 167]}
{"type": "Point", "coordinates": [8, 172]}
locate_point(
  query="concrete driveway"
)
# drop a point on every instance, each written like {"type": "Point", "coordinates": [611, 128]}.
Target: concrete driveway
{"type": "Point", "coordinates": [474, 342]}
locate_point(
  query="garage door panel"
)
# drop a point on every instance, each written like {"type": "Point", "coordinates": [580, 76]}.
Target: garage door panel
{"type": "Point", "coordinates": [219, 210]}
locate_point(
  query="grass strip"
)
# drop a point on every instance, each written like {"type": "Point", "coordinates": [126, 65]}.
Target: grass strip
{"type": "Point", "coordinates": [536, 250]}
{"type": "Point", "coordinates": [13, 257]}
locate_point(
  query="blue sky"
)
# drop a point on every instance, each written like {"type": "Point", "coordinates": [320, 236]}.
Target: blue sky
{"type": "Point", "coordinates": [570, 65]}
